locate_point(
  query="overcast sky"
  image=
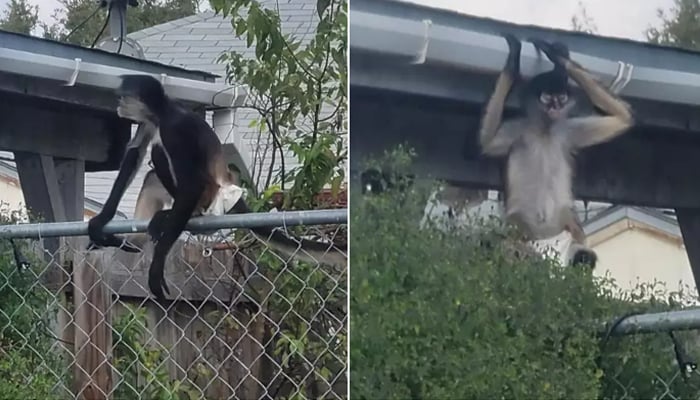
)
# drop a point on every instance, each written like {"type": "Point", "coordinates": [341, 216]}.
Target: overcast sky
{"type": "Point", "coordinates": [636, 15]}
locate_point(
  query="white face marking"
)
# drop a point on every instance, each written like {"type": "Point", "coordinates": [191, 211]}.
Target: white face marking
{"type": "Point", "coordinates": [133, 109]}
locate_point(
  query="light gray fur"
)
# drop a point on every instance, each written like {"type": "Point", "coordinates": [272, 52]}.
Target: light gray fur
{"type": "Point", "coordinates": [540, 152]}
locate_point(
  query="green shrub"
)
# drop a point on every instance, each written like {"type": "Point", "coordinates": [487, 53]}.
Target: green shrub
{"type": "Point", "coordinates": [29, 368]}
{"type": "Point", "coordinates": [439, 315]}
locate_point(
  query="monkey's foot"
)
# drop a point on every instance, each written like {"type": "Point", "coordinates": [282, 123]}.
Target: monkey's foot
{"type": "Point", "coordinates": [158, 287]}
{"type": "Point", "coordinates": [585, 257]}
{"type": "Point", "coordinates": [155, 227]}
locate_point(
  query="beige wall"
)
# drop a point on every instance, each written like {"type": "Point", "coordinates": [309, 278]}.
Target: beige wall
{"type": "Point", "coordinates": [633, 251]}
{"type": "Point", "coordinates": [11, 193]}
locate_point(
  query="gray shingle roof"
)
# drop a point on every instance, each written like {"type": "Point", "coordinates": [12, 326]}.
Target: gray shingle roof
{"type": "Point", "coordinates": [196, 42]}
{"type": "Point", "coordinates": [9, 170]}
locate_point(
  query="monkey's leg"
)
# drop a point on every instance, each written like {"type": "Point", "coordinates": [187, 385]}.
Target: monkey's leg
{"type": "Point", "coordinates": [161, 165]}
{"type": "Point", "coordinates": [135, 153]}
{"type": "Point", "coordinates": [163, 170]}
{"type": "Point", "coordinates": [579, 253]}
{"type": "Point", "coordinates": [172, 226]}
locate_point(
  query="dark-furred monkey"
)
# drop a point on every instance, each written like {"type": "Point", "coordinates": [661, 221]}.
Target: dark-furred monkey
{"type": "Point", "coordinates": [539, 147]}
{"type": "Point", "coordinates": [189, 170]}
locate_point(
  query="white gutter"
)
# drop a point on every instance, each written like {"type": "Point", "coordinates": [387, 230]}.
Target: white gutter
{"type": "Point", "coordinates": [212, 95]}
{"type": "Point", "coordinates": [426, 42]}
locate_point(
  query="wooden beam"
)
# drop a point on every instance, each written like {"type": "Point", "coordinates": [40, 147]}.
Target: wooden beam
{"type": "Point", "coordinates": [39, 181]}
{"type": "Point", "coordinates": [689, 221]}
{"type": "Point", "coordinates": [374, 78]}
{"type": "Point", "coordinates": [54, 191]}
{"type": "Point", "coordinates": [646, 166]}
{"type": "Point", "coordinates": [59, 133]}
{"type": "Point", "coordinates": [46, 89]}
{"type": "Point", "coordinates": [71, 179]}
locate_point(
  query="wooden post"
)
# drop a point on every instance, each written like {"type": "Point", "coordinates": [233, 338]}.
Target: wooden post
{"type": "Point", "coordinates": [93, 335]}
{"type": "Point", "coordinates": [689, 221]}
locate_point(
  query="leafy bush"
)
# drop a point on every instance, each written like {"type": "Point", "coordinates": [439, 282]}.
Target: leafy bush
{"type": "Point", "coordinates": [457, 314]}
{"type": "Point", "coordinates": [28, 366]}
{"type": "Point", "coordinates": [143, 370]}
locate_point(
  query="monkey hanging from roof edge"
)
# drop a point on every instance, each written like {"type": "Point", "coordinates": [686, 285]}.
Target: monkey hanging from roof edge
{"type": "Point", "coordinates": [539, 147]}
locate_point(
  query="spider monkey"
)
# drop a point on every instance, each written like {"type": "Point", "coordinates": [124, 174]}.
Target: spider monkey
{"type": "Point", "coordinates": [540, 146]}
{"type": "Point", "coordinates": [189, 170]}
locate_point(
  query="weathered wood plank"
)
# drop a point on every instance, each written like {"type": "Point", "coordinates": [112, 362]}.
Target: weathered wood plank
{"type": "Point", "coordinates": [58, 133]}
{"type": "Point", "coordinates": [189, 274]}
{"type": "Point", "coordinates": [93, 334]}
{"type": "Point", "coordinates": [54, 190]}
{"type": "Point", "coordinates": [70, 175]}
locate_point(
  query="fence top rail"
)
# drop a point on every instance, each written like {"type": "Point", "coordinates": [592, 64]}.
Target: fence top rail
{"type": "Point", "coordinates": [658, 322]}
{"type": "Point", "coordinates": [197, 224]}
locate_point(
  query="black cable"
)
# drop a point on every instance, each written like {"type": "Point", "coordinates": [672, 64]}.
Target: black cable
{"type": "Point", "coordinates": [21, 261]}
{"type": "Point", "coordinates": [608, 333]}
{"type": "Point", "coordinates": [686, 364]}
{"type": "Point", "coordinates": [80, 25]}
{"type": "Point", "coordinates": [104, 26]}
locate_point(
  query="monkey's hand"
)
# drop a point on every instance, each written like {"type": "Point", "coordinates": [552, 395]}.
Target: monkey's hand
{"type": "Point", "coordinates": [513, 61]}
{"type": "Point", "coordinates": [557, 52]}
{"type": "Point", "coordinates": [100, 239]}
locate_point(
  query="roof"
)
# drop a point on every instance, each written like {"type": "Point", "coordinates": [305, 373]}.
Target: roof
{"type": "Point", "coordinates": [10, 171]}
{"type": "Point", "coordinates": [648, 216]}
{"type": "Point", "coordinates": [195, 42]}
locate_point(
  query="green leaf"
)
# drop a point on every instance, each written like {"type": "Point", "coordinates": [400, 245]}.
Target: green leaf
{"type": "Point", "coordinates": [321, 6]}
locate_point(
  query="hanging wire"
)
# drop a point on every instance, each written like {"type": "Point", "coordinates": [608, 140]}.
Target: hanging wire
{"type": "Point", "coordinates": [104, 26]}
{"type": "Point", "coordinates": [80, 25]}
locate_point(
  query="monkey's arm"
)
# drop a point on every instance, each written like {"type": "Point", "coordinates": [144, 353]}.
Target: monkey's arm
{"type": "Point", "coordinates": [495, 137]}
{"type": "Point", "coordinates": [135, 153]}
{"type": "Point", "coordinates": [588, 131]}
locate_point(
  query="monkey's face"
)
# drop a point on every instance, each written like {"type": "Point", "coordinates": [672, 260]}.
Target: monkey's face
{"type": "Point", "coordinates": [555, 105]}
{"type": "Point", "coordinates": [133, 108]}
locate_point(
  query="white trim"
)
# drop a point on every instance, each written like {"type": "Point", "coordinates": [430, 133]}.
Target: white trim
{"type": "Point", "coordinates": [214, 95]}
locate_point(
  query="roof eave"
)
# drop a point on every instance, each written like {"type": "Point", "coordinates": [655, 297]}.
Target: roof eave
{"type": "Point", "coordinates": [426, 43]}
{"type": "Point", "coordinates": [80, 72]}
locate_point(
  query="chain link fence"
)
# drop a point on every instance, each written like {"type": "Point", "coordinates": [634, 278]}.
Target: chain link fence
{"type": "Point", "coordinates": [652, 356]}
{"type": "Point", "coordinates": [243, 320]}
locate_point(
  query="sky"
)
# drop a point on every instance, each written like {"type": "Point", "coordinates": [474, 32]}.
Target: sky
{"type": "Point", "coordinates": [637, 15]}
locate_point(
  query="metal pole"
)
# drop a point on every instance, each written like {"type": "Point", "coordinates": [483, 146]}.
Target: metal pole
{"type": "Point", "coordinates": [659, 322]}
{"type": "Point", "coordinates": [207, 223]}
{"type": "Point", "coordinates": [117, 18]}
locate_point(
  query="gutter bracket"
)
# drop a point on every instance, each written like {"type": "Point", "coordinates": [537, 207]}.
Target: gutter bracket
{"type": "Point", "coordinates": [74, 75]}
{"type": "Point", "coordinates": [622, 77]}
{"type": "Point", "coordinates": [423, 52]}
